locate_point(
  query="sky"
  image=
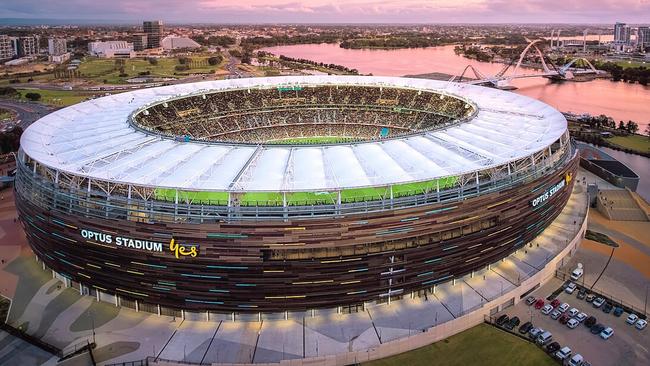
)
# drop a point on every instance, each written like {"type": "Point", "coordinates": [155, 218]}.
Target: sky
{"type": "Point", "coordinates": [334, 11]}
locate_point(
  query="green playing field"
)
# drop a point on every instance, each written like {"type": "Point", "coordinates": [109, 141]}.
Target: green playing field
{"type": "Point", "coordinates": [307, 198]}
{"type": "Point", "coordinates": [312, 140]}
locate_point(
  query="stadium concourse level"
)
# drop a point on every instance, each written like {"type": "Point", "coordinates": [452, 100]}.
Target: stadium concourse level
{"type": "Point", "coordinates": [295, 115]}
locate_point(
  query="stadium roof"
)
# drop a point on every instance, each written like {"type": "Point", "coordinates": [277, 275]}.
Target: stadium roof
{"type": "Point", "coordinates": [95, 139]}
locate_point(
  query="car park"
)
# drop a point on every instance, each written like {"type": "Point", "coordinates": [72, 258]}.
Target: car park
{"type": "Point", "coordinates": [618, 311]}
{"type": "Point", "coordinates": [607, 308]}
{"type": "Point", "coordinates": [539, 304]}
{"type": "Point", "coordinates": [530, 300]}
{"type": "Point", "coordinates": [535, 332]}
{"type": "Point", "coordinates": [591, 321]}
{"type": "Point", "coordinates": [526, 327]}
{"type": "Point", "coordinates": [570, 288]}
{"type": "Point", "coordinates": [640, 324]}
{"type": "Point", "coordinates": [547, 309]}
{"type": "Point", "coordinates": [555, 303]}
{"type": "Point", "coordinates": [582, 294]}
{"type": "Point", "coordinates": [564, 318]}
{"type": "Point", "coordinates": [564, 307]}
{"type": "Point", "coordinates": [555, 314]}
{"type": "Point", "coordinates": [573, 312]}
{"type": "Point", "coordinates": [572, 323]}
{"type": "Point", "coordinates": [502, 320]}
{"type": "Point", "coordinates": [544, 338]}
{"type": "Point", "coordinates": [598, 302]}
{"type": "Point", "coordinates": [606, 333]}
{"type": "Point", "coordinates": [581, 317]}
{"type": "Point", "coordinates": [590, 297]}
{"type": "Point", "coordinates": [596, 329]}
{"type": "Point", "coordinates": [632, 318]}
{"type": "Point", "coordinates": [576, 360]}
{"type": "Point", "coordinates": [552, 347]}
{"type": "Point", "coordinates": [563, 353]}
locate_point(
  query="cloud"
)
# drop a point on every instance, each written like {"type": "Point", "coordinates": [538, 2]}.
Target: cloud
{"type": "Point", "coordinates": [336, 11]}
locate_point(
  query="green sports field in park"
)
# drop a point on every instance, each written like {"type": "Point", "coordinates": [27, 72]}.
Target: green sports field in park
{"type": "Point", "coordinates": [307, 198]}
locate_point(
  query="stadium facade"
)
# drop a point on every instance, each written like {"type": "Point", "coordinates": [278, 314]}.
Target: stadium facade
{"type": "Point", "coordinates": [288, 193]}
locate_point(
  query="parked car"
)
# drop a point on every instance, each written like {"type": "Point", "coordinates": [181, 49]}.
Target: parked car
{"type": "Point", "coordinates": [502, 320]}
{"type": "Point", "coordinates": [606, 333]}
{"type": "Point", "coordinates": [576, 360]}
{"type": "Point", "coordinates": [598, 302]}
{"type": "Point", "coordinates": [591, 321]}
{"type": "Point", "coordinates": [577, 273]}
{"type": "Point", "coordinates": [590, 297]}
{"type": "Point", "coordinates": [547, 309]}
{"type": "Point", "coordinates": [572, 323]}
{"type": "Point", "coordinates": [544, 338]}
{"type": "Point", "coordinates": [581, 317]}
{"type": "Point", "coordinates": [555, 303]}
{"type": "Point", "coordinates": [539, 304]}
{"type": "Point", "coordinates": [607, 308]}
{"type": "Point", "coordinates": [552, 347]}
{"type": "Point", "coordinates": [640, 324]}
{"type": "Point", "coordinates": [564, 307]}
{"type": "Point", "coordinates": [563, 353]}
{"type": "Point", "coordinates": [570, 288]}
{"type": "Point", "coordinates": [596, 329]}
{"type": "Point", "coordinates": [535, 332]}
{"type": "Point", "coordinates": [510, 325]}
{"type": "Point", "coordinates": [526, 327]}
{"type": "Point", "coordinates": [530, 300]}
{"type": "Point", "coordinates": [573, 312]}
{"type": "Point", "coordinates": [564, 318]}
{"type": "Point", "coordinates": [632, 318]}
{"type": "Point", "coordinates": [618, 311]}
{"type": "Point", "coordinates": [555, 314]}
{"type": "Point", "coordinates": [582, 294]}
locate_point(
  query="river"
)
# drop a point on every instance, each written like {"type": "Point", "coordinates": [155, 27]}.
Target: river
{"type": "Point", "coordinates": [620, 100]}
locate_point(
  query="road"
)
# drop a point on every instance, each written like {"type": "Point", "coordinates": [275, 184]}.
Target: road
{"type": "Point", "coordinates": [27, 112]}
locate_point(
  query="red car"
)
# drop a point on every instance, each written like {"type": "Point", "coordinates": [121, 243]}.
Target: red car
{"type": "Point", "coordinates": [564, 318]}
{"type": "Point", "coordinates": [555, 303]}
{"type": "Point", "coordinates": [539, 304]}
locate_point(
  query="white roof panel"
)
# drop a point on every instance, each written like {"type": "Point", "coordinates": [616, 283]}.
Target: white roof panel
{"type": "Point", "coordinates": [95, 139]}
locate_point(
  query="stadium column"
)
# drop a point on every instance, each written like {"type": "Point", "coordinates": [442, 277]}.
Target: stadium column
{"type": "Point", "coordinates": [176, 205]}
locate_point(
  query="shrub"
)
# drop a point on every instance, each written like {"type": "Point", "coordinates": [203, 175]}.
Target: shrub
{"type": "Point", "coordinates": [33, 96]}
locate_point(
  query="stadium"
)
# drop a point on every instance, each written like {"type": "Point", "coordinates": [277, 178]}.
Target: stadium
{"type": "Point", "coordinates": [288, 193]}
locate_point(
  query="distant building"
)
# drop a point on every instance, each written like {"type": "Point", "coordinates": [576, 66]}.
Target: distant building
{"type": "Point", "coordinates": [6, 47]}
{"type": "Point", "coordinates": [621, 34]}
{"type": "Point", "coordinates": [643, 38]}
{"type": "Point", "coordinates": [111, 49]}
{"type": "Point", "coordinates": [25, 46]}
{"type": "Point", "coordinates": [139, 41]}
{"type": "Point", "coordinates": [56, 46]}
{"type": "Point", "coordinates": [154, 31]}
{"type": "Point", "coordinates": [174, 42]}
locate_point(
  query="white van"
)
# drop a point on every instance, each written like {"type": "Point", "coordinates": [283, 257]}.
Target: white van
{"type": "Point", "coordinates": [563, 353]}
{"type": "Point", "coordinates": [544, 338]}
{"type": "Point", "coordinates": [577, 273]}
{"type": "Point", "coordinates": [576, 360]}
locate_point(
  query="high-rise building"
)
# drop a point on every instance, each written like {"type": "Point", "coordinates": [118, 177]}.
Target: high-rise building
{"type": "Point", "coordinates": [6, 47]}
{"type": "Point", "coordinates": [621, 33]}
{"type": "Point", "coordinates": [153, 30]}
{"type": "Point", "coordinates": [139, 41]}
{"type": "Point", "coordinates": [26, 46]}
{"type": "Point", "coordinates": [56, 46]}
{"type": "Point", "coordinates": [643, 38]}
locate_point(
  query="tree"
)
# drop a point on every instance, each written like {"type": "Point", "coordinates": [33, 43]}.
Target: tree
{"type": "Point", "coordinates": [246, 58]}
{"type": "Point", "coordinates": [647, 130]}
{"type": "Point", "coordinates": [215, 60]}
{"type": "Point", "coordinates": [621, 125]}
{"type": "Point", "coordinates": [153, 61]}
{"type": "Point", "coordinates": [33, 96]}
{"type": "Point", "coordinates": [632, 127]}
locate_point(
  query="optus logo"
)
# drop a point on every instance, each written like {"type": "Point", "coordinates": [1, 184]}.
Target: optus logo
{"type": "Point", "coordinates": [183, 250]}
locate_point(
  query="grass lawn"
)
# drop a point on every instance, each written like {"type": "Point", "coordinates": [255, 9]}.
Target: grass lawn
{"type": "Point", "coordinates": [634, 142]}
{"type": "Point", "coordinates": [6, 114]}
{"type": "Point", "coordinates": [482, 345]}
{"type": "Point", "coordinates": [98, 69]}
{"type": "Point", "coordinates": [56, 97]}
